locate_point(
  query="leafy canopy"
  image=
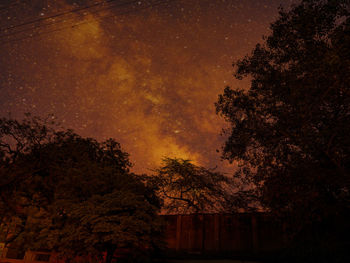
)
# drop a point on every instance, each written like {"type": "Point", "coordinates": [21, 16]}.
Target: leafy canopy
{"type": "Point", "coordinates": [290, 129]}
{"type": "Point", "coordinates": [291, 126]}
{"type": "Point", "coordinates": [74, 195]}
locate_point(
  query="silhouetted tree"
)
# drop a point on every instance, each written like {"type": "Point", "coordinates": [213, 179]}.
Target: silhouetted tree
{"type": "Point", "coordinates": [17, 139]}
{"type": "Point", "coordinates": [188, 188]}
{"type": "Point", "coordinates": [290, 129]}
{"type": "Point", "coordinates": [77, 197]}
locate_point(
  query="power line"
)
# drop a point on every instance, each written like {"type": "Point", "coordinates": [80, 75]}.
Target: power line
{"type": "Point", "coordinates": [65, 19]}
{"type": "Point", "coordinates": [86, 22]}
{"type": "Point", "coordinates": [56, 15]}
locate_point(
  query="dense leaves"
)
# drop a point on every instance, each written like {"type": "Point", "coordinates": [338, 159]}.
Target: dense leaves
{"type": "Point", "coordinates": [74, 195]}
{"type": "Point", "coordinates": [17, 140]}
{"type": "Point", "coordinates": [290, 129]}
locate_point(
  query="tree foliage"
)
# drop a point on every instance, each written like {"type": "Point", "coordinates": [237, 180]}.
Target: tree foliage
{"type": "Point", "coordinates": [17, 139]}
{"type": "Point", "coordinates": [290, 129]}
{"type": "Point", "coordinates": [188, 188]}
{"type": "Point", "coordinates": [74, 195]}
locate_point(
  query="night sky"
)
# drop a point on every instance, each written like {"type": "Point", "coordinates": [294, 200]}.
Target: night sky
{"type": "Point", "coordinates": [146, 73]}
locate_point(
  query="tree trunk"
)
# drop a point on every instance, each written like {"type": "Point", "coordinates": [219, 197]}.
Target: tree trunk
{"type": "Point", "coordinates": [110, 254]}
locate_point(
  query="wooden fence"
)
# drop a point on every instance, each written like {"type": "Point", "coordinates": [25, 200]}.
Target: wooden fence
{"type": "Point", "coordinates": [224, 234]}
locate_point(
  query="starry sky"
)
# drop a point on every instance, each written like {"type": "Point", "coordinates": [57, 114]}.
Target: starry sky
{"type": "Point", "coordinates": [146, 73]}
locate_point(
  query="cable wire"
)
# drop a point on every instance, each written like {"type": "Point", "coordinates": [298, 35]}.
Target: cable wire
{"type": "Point", "coordinates": [67, 19]}
{"type": "Point", "coordinates": [56, 15]}
{"type": "Point", "coordinates": [86, 22]}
